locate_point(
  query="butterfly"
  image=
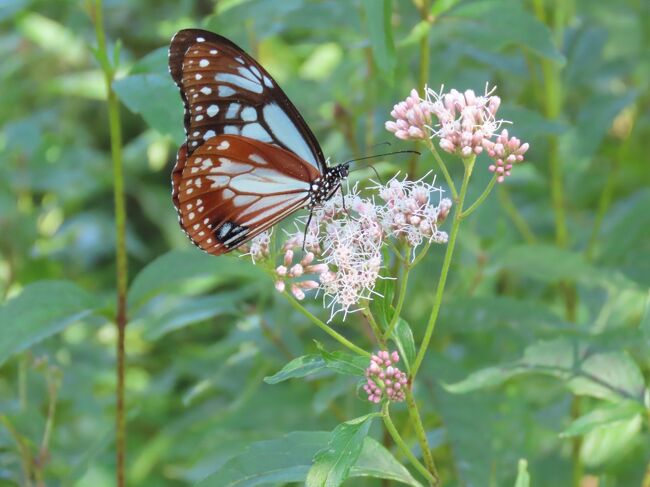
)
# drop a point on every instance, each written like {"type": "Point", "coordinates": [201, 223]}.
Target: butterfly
{"type": "Point", "coordinates": [249, 159]}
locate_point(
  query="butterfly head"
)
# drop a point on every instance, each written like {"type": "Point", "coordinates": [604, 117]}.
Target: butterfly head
{"type": "Point", "coordinates": [323, 188]}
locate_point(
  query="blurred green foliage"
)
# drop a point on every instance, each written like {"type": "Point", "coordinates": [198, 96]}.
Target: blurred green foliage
{"type": "Point", "coordinates": [512, 351]}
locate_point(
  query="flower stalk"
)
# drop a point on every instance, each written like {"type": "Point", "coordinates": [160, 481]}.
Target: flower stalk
{"type": "Point", "coordinates": [446, 264]}
{"type": "Point", "coordinates": [120, 236]}
{"type": "Point", "coordinates": [406, 451]}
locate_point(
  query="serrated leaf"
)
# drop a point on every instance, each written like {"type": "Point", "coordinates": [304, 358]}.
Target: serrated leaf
{"type": "Point", "coordinates": [179, 268]}
{"type": "Point", "coordinates": [376, 461]}
{"type": "Point", "coordinates": [550, 264]}
{"type": "Point", "coordinates": [499, 24]}
{"type": "Point", "coordinates": [610, 441]}
{"type": "Point", "coordinates": [381, 304]}
{"type": "Point", "coordinates": [344, 363]}
{"type": "Point", "coordinates": [288, 459]}
{"type": "Point", "coordinates": [605, 375]}
{"type": "Point", "coordinates": [380, 31]}
{"type": "Point", "coordinates": [41, 310]}
{"type": "Point", "coordinates": [298, 367]}
{"type": "Point", "coordinates": [171, 313]}
{"type": "Point", "coordinates": [403, 338]}
{"type": "Point", "coordinates": [602, 416]}
{"type": "Point", "coordinates": [333, 463]}
{"type": "Point", "coordinates": [163, 112]}
{"type": "Point", "coordinates": [645, 320]}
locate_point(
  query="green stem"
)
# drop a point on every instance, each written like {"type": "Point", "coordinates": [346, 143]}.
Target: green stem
{"type": "Point", "coordinates": [420, 433]}
{"type": "Point", "coordinates": [481, 198]}
{"type": "Point", "coordinates": [458, 212]}
{"type": "Point", "coordinates": [390, 427]}
{"type": "Point", "coordinates": [400, 303]}
{"type": "Point", "coordinates": [52, 390]}
{"type": "Point", "coordinates": [443, 168]}
{"type": "Point", "coordinates": [120, 238]}
{"type": "Point", "coordinates": [604, 203]}
{"type": "Point", "coordinates": [376, 330]}
{"type": "Point", "coordinates": [331, 332]}
{"type": "Point", "coordinates": [513, 212]}
{"type": "Point", "coordinates": [26, 460]}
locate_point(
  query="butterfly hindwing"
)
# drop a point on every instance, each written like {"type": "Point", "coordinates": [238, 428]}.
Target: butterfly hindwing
{"type": "Point", "coordinates": [226, 92]}
{"type": "Point", "coordinates": [231, 188]}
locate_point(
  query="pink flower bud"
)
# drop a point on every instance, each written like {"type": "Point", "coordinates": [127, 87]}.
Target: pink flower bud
{"type": "Point", "coordinates": [297, 292]}
{"type": "Point", "coordinates": [281, 270]}
{"type": "Point", "coordinates": [279, 286]}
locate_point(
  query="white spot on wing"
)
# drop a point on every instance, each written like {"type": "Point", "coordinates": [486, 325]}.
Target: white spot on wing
{"type": "Point", "coordinates": [212, 110]}
{"type": "Point", "coordinates": [204, 62]}
{"type": "Point", "coordinates": [208, 134]}
{"type": "Point", "coordinates": [223, 145]}
{"type": "Point", "coordinates": [206, 90]}
{"type": "Point", "coordinates": [200, 39]}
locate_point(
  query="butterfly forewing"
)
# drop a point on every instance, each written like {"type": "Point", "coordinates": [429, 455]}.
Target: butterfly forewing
{"type": "Point", "coordinates": [226, 92]}
{"type": "Point", "coordinates": [231, 188]}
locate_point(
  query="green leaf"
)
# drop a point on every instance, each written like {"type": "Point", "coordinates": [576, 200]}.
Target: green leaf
{"type": "Point", "coordinates": [605, 375]}
{"type": "Point", "coordinates": [289, 459]}
{"type": "Point", "coordinates": [380, 306]}
{"type": "Point", "coordinates": [380, 30]}
{"type": "Point", "coordinates": [499, 24]}
{"type": "Point", "coordinates": [403, 338]}
{"type": "Point", "coordinates": [550, 264]}
{"type": "Point", "coordinates": [41, 310]}
{"type": "Point", "coordinates": [376, 461]}
{"type": "Point", "coordinates": [344, 363]}
{"type": "Point", "coordinates": [284, 460]}
{"type": "Point", "coordinates": [188, 270]}
{"type": "Point", "coordinates": [333, 463]}
{"type": "Point", "coordinates": [523, 477]}
{"type": "Point", "coordinates": [645, 320]}
{"type": "Point", "coordinates": [177, 312]}
{"type": "Point", "coordinates": [298, 367]}
{"type": "Point", "coordinates": [155, 97]}
{"type": "Point", "coordinates": [603, 416]}
{"type": "Point", "coordinates": [610, 441]}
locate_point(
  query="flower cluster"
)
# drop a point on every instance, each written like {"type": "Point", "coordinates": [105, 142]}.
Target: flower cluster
{"type": "Point", "coordinates": [412, 117]}
{"type": "Point", "coordinates": [408, 212]}
{"type": "Point", "coordinates": [342, 255]}
{"type": "Point", "coordinates": [465, 120]}
{"type": "Point", "coordinates": [466, 125]}
{"type": "Point", "coordinates": [505, 152]}
{"type": "Point", "coordinates": [384, 378]}
{"type": "Point", "coordinates": [294, 272]}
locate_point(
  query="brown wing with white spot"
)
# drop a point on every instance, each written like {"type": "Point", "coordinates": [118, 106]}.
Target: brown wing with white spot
{"type": "Point", "coordinates": [231, 188]}
{"type": "Point", "coordinates": [226, 92]}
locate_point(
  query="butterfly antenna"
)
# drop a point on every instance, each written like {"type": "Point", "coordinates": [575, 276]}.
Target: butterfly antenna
{"type": "Point", "coordinates": [382, 155]}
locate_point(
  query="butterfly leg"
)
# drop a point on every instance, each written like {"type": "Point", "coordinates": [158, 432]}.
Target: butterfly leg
{"type": "Point", "coordinates": [343, 200]}
{"type": "Point", "coordinates": [304, 237]}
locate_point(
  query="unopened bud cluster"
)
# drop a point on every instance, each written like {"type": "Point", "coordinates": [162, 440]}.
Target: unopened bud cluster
{"type": "Point", "coordinates": [466, 126]}
{"type": "Point", "coordinates": [412, 116]}
{"type": "Point", "coordinates": [384, 378]}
